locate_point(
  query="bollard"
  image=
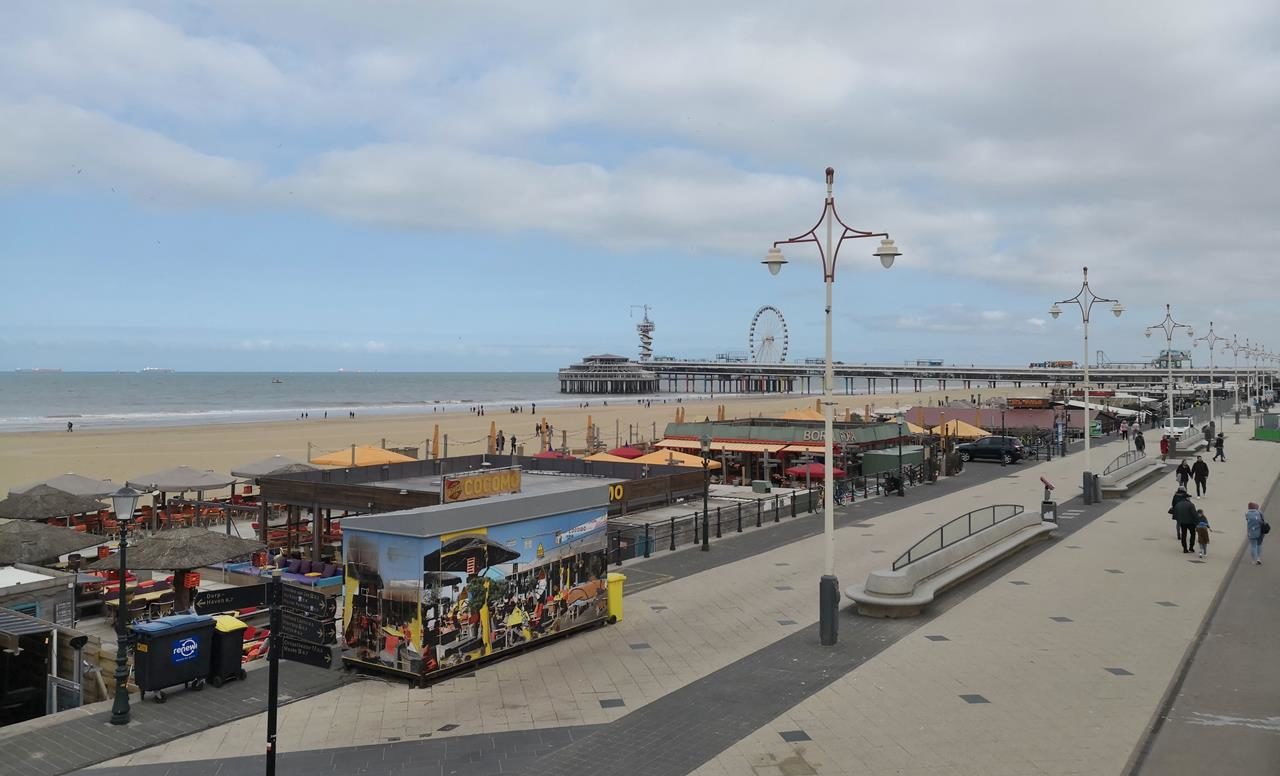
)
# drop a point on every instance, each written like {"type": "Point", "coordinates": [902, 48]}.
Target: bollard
{"type": "Point", "coordinates": [717, 522]}
{"type": "Point", "coordinates": [695, 526]}
{"type": "Point", "coordinates": [739, 517]}
{"type": "Point", "coordinates": [673, 533]}
{"type": "Point", "coordinates": [758, 515]}
{"type": "Point", "coordinates": [793, 504]}
{"type": "Point", "coordinates": [647, 540]}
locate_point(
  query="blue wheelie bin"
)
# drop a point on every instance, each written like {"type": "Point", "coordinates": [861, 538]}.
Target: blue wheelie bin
{"type": "Point", "coordinates": [171, 651]}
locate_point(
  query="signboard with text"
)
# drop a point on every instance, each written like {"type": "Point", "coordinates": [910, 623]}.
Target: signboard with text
{"type": "Point", "coordinates": [230, 599]}
{"type": "Point", "coordinates": [312, 602]}
{"type": "Point", "coordinates": [296, 625]}
{"type": "Point", "coordinates": [471, 485]}
{"type": "Point", "coordinates": [302, 652]}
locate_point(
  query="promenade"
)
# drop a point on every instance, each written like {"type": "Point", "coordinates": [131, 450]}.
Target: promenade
{"type": "Point", "coordinates": [1056, 661]}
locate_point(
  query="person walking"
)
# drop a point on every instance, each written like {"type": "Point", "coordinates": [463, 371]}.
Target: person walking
{"type": "Point", "coordinates": [1200, 473]}
{"type": "Point", "coordinates": [502, 441]}
{"type": "Point", "coordinates": [1164, 447]}
{"type": "Point", "coordinates": [1124, 430]}
{"type": "Point", "coordinates": [1183, 473]}
{"type": "Point", "coordinates": [513, 444]}
{"type": "Point", "coordinates": [1202, 532]}
{"type": "Point", "coordinates": [1179, 496]}
{"type": "Point", "coordinates": [70, 427]}
{"type": "Point", "coordinates": [1256, 527]}
{"type": "Point", "coordinates": [1187, 516]}
{"type": "Point", "coordinates": [1139, 441]}
{"type": "Point", "coordinates": [1219, 442]}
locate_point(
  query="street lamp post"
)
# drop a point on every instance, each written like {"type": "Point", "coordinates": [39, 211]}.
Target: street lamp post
{"type": "Point", "coordinates": [1085, 299]}
{"type": "Point", "coordinates": [1211, 340]}
{"type": "Point", "coordinates": [902, 487]}
{"type": "Point", "coordinates": [706, 488]}
{"type": "Point", "coordinates": [1169, 326]}
{"type": "Point", "coordinates": [1235, 347]}
{"type": "Point", "coordinates": [829, 586]}
{"type": "Point", "coordinates": [124, 501]}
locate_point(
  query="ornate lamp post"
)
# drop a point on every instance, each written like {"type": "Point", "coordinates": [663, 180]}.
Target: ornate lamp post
{"type": "Point", "coordinates": [124, 501]}
{"type": "Point", "coordinates": [902, 487]}
{"type": "Point", "coordinates": [829, 251]}
{"type": "Point", "coordinates": [1169, 326]}
{"type": "Point", "coordinates": [1085, 299]}
{"type": "Point", "coordinates": [1211, 339]}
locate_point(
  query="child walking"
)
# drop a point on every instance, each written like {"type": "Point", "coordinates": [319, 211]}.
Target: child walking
{"type": "Point", "coordinates": [1202, 532]}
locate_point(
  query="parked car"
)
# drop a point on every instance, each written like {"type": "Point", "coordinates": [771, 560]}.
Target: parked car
{"type": "Point", "coordinates": [992, 448]}
{"type": "Point", "coordinates": [1179, 428]}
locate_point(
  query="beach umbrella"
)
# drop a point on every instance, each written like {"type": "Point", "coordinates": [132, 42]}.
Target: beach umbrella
{"type": "Point", "coordinates": [37, 543]}
{"type": "Point", "coordinates": [626, 451]}
{"type": "Point", "coordinates": [675, 458]}
{"type": "Point", "coordinates": [454, 554]}
{"type": "Point", "coordinates": [182, 479]}
{"type": "Point", "coordinates": [958, 428]}
{"type": "Point", "coordinates": [181, 550]}
{"type": "Point", "coordinates": [607, 458]}
{"type": "Point", "coordinates": [552, 454]}
{"type": "Point", "coordinates": [74, 484]}
{"type": "Point", "coordinates": [276, 464]}
{"type": "Point", "coordinates": [360, 455]}
{"type": "Point", "coordinates": [43, 502]}
{"type": "Point", "coordinates": [813, 470]}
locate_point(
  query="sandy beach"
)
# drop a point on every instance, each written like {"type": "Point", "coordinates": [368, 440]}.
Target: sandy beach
{"type": "Point", "coordinates": [121, 453]}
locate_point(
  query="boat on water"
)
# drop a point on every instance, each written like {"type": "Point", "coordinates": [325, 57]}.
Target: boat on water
{"type": "Point", "coordinates": [156, 370]}
{"type": "Point", "coordinates": [38, 369]}
{"type": "Point", "coordinates": [276, 381]}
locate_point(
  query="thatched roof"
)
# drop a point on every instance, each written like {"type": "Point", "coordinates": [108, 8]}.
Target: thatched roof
{"type": "Point", "coordinates": [74, 484]}
{"type": "Point", "coordinates": [181, 479]}
{"type": "Point", "coordinates": [43, 502]}
{"type": "Point", "coordinates": [37, 543]}
{"type": "Point", "coordinates": [276, 464]}
{"type": "Point", "coordinates": [182, 548]}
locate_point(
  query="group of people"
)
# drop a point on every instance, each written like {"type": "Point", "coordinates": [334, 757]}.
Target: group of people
{"type": "Point", "coordinates": [1193, 526]}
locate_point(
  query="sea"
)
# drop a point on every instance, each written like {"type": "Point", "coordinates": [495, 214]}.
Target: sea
{"type": "Point", "coordinates": [43, 401]}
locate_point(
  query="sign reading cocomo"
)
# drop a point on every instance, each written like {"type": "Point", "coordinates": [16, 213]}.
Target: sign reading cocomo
{"type": "Point", "coordinates": [467, 487]}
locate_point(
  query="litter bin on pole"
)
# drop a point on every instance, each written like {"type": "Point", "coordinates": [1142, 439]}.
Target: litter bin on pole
{"type": "Point", "coordinates": [616, 581]}
{"type": "Point", "coordinates": [171, 651]}
{"type": "Point", "coordinates": [225, 661]}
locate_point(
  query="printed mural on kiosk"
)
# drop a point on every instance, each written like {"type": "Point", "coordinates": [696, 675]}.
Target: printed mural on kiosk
{"type": "Point", "coordinates": [422, 605]}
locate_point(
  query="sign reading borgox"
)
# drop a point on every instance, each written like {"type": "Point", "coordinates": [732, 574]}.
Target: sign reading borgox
{"type": "Point", "coordinates": [464, 487]}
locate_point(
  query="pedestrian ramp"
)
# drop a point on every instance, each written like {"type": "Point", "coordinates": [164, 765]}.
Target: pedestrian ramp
{"type": "Point", "coordinates": [946, 557]}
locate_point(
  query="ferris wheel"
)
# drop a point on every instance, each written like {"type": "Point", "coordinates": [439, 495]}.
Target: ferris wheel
{"type": "Point", "coordinates": [768, 336]}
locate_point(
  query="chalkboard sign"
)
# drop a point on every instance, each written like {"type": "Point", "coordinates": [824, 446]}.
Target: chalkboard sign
{"type": "Point", "coordinates": [312, 602]}
{"type": "Point", "coordinates": [296, 625]}
{"type": "Point", "coordinates": [302, 652]}
{"type": "Point", "coordinates": [230, 599]}
{"type": "Point", "coordinates": [64, 613]}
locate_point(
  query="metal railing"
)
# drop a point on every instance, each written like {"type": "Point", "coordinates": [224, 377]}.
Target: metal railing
{"type": "Point", "coordinates": [1123, 460]}
{"type": "Point", "coordinates": [956, 530]}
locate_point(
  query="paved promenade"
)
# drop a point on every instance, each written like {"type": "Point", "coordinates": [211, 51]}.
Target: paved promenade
{"type": "Point", "coordinates": [1055, 661]}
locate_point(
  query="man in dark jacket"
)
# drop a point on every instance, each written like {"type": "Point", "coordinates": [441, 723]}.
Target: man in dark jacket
{"type": "Point", "coordinates": [1183, 473]}
{"type": "Point", "coordinates": [1185, 513]}
{"type": "Point", "coordinates": [1200, 473]}
{"type": "Point", "coordinates": [1179, 495]}
{"type": "Point", "coordinates": [1139, 443]}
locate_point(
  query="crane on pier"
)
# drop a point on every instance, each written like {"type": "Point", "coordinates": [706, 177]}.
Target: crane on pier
{"type": "Point", "coordinates": [645, 328]}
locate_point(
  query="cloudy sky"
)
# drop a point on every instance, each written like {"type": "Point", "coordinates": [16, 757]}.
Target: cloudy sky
{"type": "Point", "coordinates": [306, 184]}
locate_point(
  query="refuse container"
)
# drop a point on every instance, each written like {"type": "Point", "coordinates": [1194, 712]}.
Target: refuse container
{"type": "Point", "coordinates": [227, 649]}
{"type": "Point", "coordinates": [171, 651]}
{"type": "Point", "coordinates": [616, 581]}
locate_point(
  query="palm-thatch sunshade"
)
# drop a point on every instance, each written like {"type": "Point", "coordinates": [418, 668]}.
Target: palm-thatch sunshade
{"type": "Point", "coordinates": [75, 484]}
{"type": "Point", "coordinates": [37, 543]}
{"type": "Point", "coordinates": [182, 479]}
{"type": "Point", "coordinates": [43, 502]}
{"type": "Point", "coordinates": [179, 550]}
{"type": "Point", "coordinates": [453, 555]}
{"type": "Point", "coordinates": [276, 464]}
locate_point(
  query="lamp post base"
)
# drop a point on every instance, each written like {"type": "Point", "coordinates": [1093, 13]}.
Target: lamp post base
{"type": "Point", "coordinates": [828, 610]}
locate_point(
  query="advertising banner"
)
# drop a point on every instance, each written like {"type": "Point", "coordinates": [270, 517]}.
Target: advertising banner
{"type": "Point", "coordinates": [464, 487]}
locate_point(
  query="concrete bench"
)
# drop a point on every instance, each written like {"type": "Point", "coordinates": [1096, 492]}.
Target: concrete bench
{"type": "Point", "coordinates": [1119, 481]}
{"type": "Point", "coordinates": [1185, 448]}
{"type": "Point", "coordinates": [905, 592]}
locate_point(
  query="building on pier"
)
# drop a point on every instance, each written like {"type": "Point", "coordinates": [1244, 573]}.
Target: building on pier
{"type": "Point", "coordinates": [607, 374]}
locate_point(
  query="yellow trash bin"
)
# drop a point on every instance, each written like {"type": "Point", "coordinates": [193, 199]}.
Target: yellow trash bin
{"type": "Point", "coordinates": [616, 581]}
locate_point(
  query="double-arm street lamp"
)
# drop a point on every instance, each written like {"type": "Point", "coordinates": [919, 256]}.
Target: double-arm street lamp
{"type": "Point", "coordinates": [1169, 326]}
{"type": "Point", "coordinates": [124, 501]}
{"type": "Point", "coordinates": [1085, 299]}
{"type": "Point", "coordinates": [1211, 340]}
{"type": "Point", "coordinates": [1236, 349]}
{"type": "Point", "coordinates": [829, 586]}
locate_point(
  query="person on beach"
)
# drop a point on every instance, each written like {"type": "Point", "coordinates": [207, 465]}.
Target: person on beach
{"type": "Point", "coordinates": [69, 427]}
{"type": "Point", "coordinates": [1139, 442]}
{"type": "Point", "coordinates": [1183, 473]}
{"type": "Point", "coordinates": [1256, 527]}
{"type": "Point", "coordinates": [1202, 532]}
{"type": "Point", "coordinates": [1187, 516]}
{"type": "Point", "coordinates": [1219, 444]}
{"type": "Point", "coordinates": [1164, 447]}
{"type": "Point", "coordinates": [1200, 473]}
{"type": "Point", "coordinates": [502, 441]}
{"type": "Point", "coordinates": [513, 444]}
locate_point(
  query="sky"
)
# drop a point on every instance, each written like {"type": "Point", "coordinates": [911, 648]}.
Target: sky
{"type": "Point", "coordinates": [479, 186]}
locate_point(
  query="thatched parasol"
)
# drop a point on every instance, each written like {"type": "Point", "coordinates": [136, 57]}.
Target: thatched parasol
{"type": "Point", "coordinates": [276, 464]}
{"type": "Point", "coordinates": [453, 555]}
{"type": "Point", "coordinates": [182, 479]}
{"type": "Point", "coordinates": [43, 502]}
{"type": "Point", "coordinates": [74, 484]}
{"type": "Point", "coordinates": [180, 550]}
{"type": "Point", "coordinates": [37, 543]}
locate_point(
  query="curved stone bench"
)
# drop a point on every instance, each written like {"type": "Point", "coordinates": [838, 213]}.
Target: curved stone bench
{"type": "Point", "coordinates": [1120, 481]}
{"type": "Point", "coordinates": [907, 591]}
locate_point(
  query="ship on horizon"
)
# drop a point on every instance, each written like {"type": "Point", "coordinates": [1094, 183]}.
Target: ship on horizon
{"type": "Point", "coordinates": [28, 369]}
{"type": "Point", "coordinates": [159, 369]}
